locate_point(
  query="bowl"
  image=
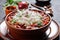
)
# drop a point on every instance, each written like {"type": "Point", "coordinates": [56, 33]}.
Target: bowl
{"type": "Point", "coordinates": [26, 34]}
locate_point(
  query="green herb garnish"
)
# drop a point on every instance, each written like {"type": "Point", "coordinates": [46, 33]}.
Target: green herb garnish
{"type": "Point", "coordinates": [39, 23]}
{"type": "Point", "coordinates": [17, 0]}
{"type": "Point", "coordinates": [13, 21]}
{"type": "Point", "coordinates": [12, 2]}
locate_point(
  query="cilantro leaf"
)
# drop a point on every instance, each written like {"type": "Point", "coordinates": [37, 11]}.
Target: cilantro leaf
{"type": "Point", "coordinates": [10, 1]}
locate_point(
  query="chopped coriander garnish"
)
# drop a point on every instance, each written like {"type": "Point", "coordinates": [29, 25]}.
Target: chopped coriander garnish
{"type": "Point", "coordinates": [13, 21]}
{"type": "Point", "coordinates": [39, 23]}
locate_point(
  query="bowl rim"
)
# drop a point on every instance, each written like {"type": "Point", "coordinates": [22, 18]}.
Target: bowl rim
{"type": "Point", "coordinates": [27, 29]}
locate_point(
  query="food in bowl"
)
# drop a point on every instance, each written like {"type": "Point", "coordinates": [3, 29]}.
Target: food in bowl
{"type": "Point", "coordinates": [27, 24]}
{"type": "Point", "coordinates": [9, 9]}
{"type": "Point", "coordinates": [28, 19]}
{"type": "Point", "coordinates": [22, 5]}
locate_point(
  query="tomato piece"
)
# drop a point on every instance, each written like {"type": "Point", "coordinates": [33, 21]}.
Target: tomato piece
{"type": "Point", "coordinates": [45, 22]}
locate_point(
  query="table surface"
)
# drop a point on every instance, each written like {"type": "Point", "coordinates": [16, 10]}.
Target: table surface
{"type": "Point", "coordinates": [55, 5]}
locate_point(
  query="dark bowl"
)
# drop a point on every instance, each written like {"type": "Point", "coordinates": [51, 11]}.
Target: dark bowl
{"type": "Point", "coordinates": [22, 34]}
{"type": "Point", "coordinates": [43, 2]}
